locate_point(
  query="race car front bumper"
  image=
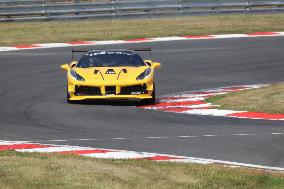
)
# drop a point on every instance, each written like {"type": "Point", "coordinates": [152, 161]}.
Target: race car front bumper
{"type": "Point", "coordinates": [85, 92]}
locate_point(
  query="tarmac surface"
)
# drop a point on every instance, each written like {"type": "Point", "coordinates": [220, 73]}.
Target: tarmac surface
{"type": "Point", "coordinates": [33, 106]}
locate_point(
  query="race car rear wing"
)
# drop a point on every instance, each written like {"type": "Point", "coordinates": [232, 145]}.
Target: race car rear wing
{"type": "Point", "coordinates": [135, 49]}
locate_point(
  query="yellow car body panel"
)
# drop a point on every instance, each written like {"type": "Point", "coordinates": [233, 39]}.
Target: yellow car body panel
{"type": "Point", "coordinates": [98, 80]}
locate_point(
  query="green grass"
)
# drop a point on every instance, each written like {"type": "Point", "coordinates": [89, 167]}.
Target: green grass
{"type": "Point", "coordinates": [32, 170]}
{"type": "Point", "coordinates": [268, 99]}
{"type": "Point", "coordinates": [44, 32]}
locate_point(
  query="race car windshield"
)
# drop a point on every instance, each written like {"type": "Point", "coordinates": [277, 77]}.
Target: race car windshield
{"type": "Point", "coordinates": [110, 59]}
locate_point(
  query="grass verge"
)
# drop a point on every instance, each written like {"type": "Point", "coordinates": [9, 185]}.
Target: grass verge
{"type": "Point", "coordinates": [31, 170]}
{"type": "Point", "coordinates": [45, 32]}
{"type": "Point", "coordinates": [269, 99]}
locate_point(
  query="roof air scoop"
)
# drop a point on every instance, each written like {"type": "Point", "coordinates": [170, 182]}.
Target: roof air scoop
{"type": "Point", "coordinates": [110, 71]}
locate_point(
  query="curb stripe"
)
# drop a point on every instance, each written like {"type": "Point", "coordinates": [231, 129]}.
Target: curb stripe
{"type": "Point", "coordinates": [257, 115]}
{"type": "Point", "coordinates": [119, 154]}
{"type": "Point", "coordinates": [82, 43]}
{"type": "Point", "coordinates": [199, 37]}
{"type": "Point", "coordinates": [27, 46]}
{"type": "Point", "coordinates": [22, 146]}
{"type": "Point", "coordinates": [262, 33]}
{"type": "Point", "coordinates": [195, 103]}
{"type": "Point", "coordinates": [172, 104]}
{"type": "Point", "coordinates": [141, 40]}
{"type": "Point", "coordinates": [161, 158]}
{"type": "Point", "coordinates": [180, 109]}
{"type": "Point", "coordinates": [96, 151]}
{"type": "Point", "coordinates": [53, 149]}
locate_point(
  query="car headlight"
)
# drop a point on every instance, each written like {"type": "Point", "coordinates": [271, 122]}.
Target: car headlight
{"type": "Point", "coordinates": [76, 76]}
{"type": "Point", "coordinates": [144, 74]}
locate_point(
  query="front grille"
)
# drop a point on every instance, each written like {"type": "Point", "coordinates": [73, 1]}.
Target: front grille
{"type": "Point", "coordinates": [110, 90]}
{"type": "Point", "coordinates": [134, 89]}
{"type": "Point", "coordinates": [87, 91]}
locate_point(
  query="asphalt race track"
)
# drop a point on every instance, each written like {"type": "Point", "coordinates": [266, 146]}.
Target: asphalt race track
{"type": "Point", "coordinates": [33, 107]}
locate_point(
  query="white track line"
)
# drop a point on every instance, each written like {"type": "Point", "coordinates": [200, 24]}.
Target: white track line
{"type": "Point", "coordinates": [146, 137]}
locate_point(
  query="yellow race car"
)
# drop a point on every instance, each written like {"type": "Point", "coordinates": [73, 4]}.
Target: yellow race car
{"type": "Point", "coordinates": [111, 74]}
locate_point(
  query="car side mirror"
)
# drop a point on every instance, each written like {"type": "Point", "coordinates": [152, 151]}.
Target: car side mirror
{"type": "Point", "coordinates": [156, 64]}
{"type": "Point", "coordinates": [64, 67]}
